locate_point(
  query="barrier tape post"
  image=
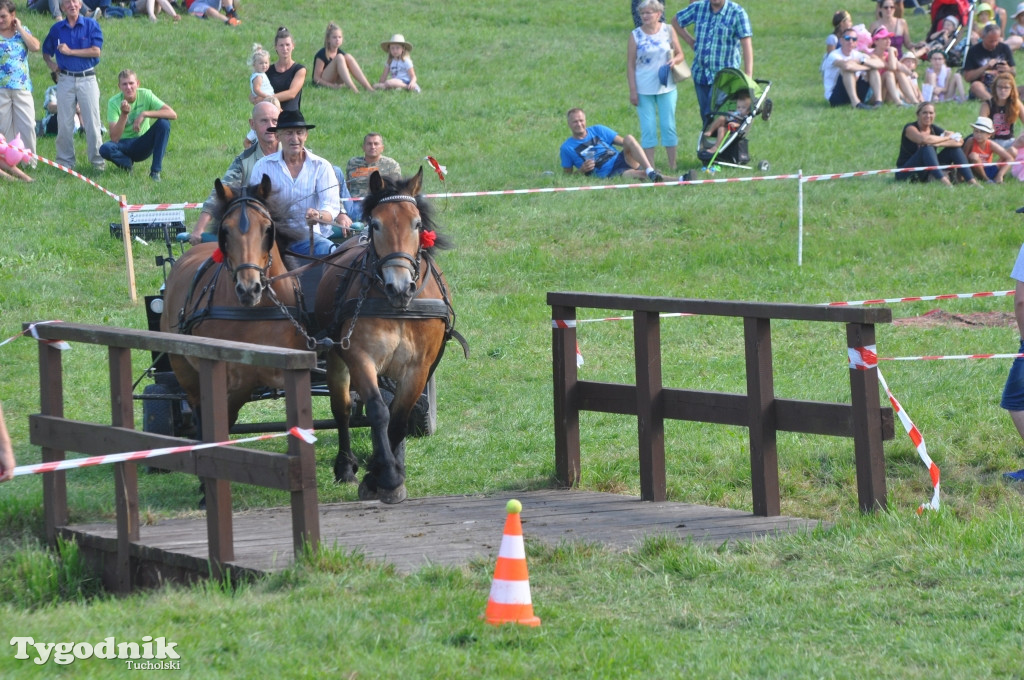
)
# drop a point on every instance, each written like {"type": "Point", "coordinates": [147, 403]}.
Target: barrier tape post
{"type": "Point", "coordinates": [864, 358]}
{"type": "Point", "coordinates": [129, 258]}
{"type": "Point", "coordinates": [800, 218]}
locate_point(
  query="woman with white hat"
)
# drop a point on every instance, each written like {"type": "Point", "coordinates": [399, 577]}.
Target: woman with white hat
{"type": "Point", "coordinates": [398, 71]}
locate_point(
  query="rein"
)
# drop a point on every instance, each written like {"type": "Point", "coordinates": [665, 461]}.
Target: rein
{"type": "Point", "coordinates": [403, 259]}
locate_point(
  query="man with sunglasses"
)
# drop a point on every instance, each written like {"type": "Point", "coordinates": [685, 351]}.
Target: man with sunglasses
{"type": "Point", "coordinates": [851, 76]}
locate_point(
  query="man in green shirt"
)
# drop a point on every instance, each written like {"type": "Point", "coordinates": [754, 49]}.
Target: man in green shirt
{"type": "Point", "coordinates": [139, 126]}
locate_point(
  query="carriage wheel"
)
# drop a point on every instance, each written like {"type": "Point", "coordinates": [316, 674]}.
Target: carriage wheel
{"type": "Point", "coordinates": [766, 110]}
{"type": "Point", "coordinates": [764, 166]}
{"type": "Point", "coordinates": [423, 419]}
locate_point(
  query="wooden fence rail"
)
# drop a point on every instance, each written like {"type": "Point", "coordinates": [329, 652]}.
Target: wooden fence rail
{"type": "Point", "coordinates": [759, 409]}
{"type": "Point", "coordinates": [217, 467]}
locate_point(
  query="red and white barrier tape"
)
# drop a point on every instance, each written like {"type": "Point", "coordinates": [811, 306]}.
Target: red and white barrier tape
{"type": "Point", "coordinates": [919, 298]}
{"type": "Point", "coordinates": [59, 344]}
{"type": "Point", "coordinates": [863, 358]}
{"type": "Point", "coordinates": [73, 463]}
{"type": "Point", "coordinates": [953, 356]}
{"type": "Point", "coordinates": [71, 172]}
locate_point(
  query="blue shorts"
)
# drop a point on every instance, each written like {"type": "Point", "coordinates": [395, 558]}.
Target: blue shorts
{"type": "Point", "coordinates": [991, 171]}
{"type": "Point", "coordinates": [1013, 392]}
{"type": "Point", "coordinates": [618, 165]}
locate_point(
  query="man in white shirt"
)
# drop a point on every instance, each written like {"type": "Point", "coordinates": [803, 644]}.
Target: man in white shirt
{"type": "Point", "coordinates": [848, 74]}
{"type": "Point", "coordinates": [302, 181]}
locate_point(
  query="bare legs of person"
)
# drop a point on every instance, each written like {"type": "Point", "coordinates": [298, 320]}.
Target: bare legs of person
{"type": "Point", "coordinates": [850, 83]}
{"type": "Point", "coordinates": [636, 158]}
{"type": "Point", "coordinates": [670, 151]}
{"type": "Point", "coordinates": [344, 71]}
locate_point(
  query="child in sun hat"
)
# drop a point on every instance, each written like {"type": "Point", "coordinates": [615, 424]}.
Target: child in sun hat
{"type": "Point", "coordinates": [398, 70]}
{"type": "Point", "coordinates": [979, 148]}
{"type": "Point", "coordinates": [1015, 33]}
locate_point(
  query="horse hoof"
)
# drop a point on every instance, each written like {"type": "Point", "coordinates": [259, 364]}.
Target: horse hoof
{"type": "Point", "coordinates": [366, 493]}
{"type": "Point", "coordinates": [396, 495]}
{"type": "Point", "coordinates": [345, 474]}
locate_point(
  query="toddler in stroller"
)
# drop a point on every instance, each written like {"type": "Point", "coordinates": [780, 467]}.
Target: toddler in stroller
{"type": "Point", "coordinates": [736, 101]}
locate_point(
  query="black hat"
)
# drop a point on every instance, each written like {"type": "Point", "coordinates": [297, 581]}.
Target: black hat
{"type": "Point", "coordinates": [290, 120]}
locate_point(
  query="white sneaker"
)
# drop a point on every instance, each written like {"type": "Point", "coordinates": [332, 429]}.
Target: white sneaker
{"type": "Point", "coordinates": [98, 14]}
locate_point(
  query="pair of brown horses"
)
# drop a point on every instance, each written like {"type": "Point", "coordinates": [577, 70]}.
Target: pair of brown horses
{"type": "Point", "coordinates": [384, 302]}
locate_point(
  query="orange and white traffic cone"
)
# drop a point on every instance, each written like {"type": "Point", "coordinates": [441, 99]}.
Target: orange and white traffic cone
{"type": "Point", "coordinates": [509, 601]}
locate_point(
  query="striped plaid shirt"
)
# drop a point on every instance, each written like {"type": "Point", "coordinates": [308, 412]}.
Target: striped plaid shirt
{"type": "Point", "coordinates": [716, 37]}
{"type": "Point", "coordinates": [315, 187]}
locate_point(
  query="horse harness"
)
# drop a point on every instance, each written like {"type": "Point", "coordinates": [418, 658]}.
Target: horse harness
{"type": "Point", "coordinates": [369, 267]}
{"type": "Point", "coordinates": [187, 322]}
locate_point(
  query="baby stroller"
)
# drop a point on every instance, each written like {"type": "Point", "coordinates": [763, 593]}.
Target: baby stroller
{"type": "Point", "coordinates": [730, 86]}
{"type": "Point", "coordinates": [955, 47]}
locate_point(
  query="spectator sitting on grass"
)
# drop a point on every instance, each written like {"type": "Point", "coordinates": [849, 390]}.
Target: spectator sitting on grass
{"type": "Point", "coordinates": [849, 75]}
{"type": "Point", "coordinates": [979, 148]}
{"type": "Point", "coordinates": [591, 151]}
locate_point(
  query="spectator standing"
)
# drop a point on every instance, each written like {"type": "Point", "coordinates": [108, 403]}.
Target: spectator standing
{"type": "Point", "coordinates": [72, 49]}
{"type": "Point", "coordinates": [722, 38]}
{"type": "Point", "coordinates": [140, 126]}
{"type": "Point", "coordinates": [652, 49]}
{"type": "Point", "coordinates": [17, 109]}
{"type": "Point", "coordinates": [359, 169]}
{"type": "Point", "coordinates": [985, 61]}
{"type": "Point", "coordinates": [286, 76]}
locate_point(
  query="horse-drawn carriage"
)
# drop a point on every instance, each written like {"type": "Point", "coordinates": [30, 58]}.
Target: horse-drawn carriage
{"type": "Point", "coordinates": [379, 309]}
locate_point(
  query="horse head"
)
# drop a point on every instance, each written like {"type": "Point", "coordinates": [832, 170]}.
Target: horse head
{"type": "Point", "coordinates": [395, 225]}
{"type": "Point", "coordinates": [246, 237]}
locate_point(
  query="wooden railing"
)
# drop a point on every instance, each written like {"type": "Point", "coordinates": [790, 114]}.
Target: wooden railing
{"type": "Point", "coordinates": [759, 409]}
{"type": "Point", "coordinates": [217, 467]}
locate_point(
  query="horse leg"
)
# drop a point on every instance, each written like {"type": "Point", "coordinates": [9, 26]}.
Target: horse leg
{"type": "Point", "coordinates": [345, 464]}
{"type": "Point", "coordinates": [384, 480]}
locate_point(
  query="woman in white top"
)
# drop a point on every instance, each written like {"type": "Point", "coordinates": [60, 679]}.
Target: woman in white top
{"type": "Point", "coordinates": [652, 46]}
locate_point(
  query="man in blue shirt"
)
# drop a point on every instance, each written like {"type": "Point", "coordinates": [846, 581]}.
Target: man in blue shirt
{"type": "Point", "coordinates": [75, 42]}
{"type": "Point", "coordinates": [721, 38]}
{"type": "Point", "coordinates": [591, 151]}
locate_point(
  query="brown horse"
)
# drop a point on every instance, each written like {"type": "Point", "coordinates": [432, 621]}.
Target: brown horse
{"type": "Point", "coordinates": [386, 306]}
{"type": "Point", "coordinates": [222, 290]}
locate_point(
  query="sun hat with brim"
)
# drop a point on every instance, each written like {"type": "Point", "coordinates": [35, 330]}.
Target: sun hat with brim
{"type": "Point", "coordinates": [880, 33]}
{"type": "Point", "coordinates": [984, 123]}
{"type": "Point", "coordinates": [983, 7]}
{"type": "Point", "coordinates": [1020, 10]}
{"type": "Point", "coordinates": [396, 39]}
{"type": "Point", "coordinates": [291, 120]}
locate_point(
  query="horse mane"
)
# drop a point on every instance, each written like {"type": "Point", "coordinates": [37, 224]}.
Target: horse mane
{"type": "Point", "coordinates": [286, 235]}
{"type": "Point", "coordinates": [394, 187]}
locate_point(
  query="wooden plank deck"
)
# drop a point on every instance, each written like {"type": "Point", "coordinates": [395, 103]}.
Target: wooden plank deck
{"type": "Point", "coordinates": [447, 530]}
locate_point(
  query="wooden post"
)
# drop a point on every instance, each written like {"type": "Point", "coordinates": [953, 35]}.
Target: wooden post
{"type": "Point", "coordinates": [51, 398]}
{"type": "Point", "coordinates": [299, 413]}
{"type": "Point", "coordinates": [219, 530]}
{"type": "Point", "coordinates": [867, 424]}
{"type": "Point", "coordinates": [650, 418]}
{"type": "Point", "coordinates": [129, 259]}
{"type": "Point", "coordinates": [126, 491]}
{"type": "Point", "coordinates": [567, 411]}
{"type": "Point", "coordinates": [764, 461]}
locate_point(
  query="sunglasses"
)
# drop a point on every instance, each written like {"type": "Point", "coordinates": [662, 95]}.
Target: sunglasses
{"type": "Point", "coordinates": [850, 37]}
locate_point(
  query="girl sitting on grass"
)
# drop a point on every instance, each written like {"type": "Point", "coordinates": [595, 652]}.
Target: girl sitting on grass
{"type": "Point", "coordinates": [398, 71]}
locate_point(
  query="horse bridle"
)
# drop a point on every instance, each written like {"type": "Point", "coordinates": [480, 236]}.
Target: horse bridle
{"type": "Point", "coordinates": [405, 259]}
{"type": "Point", "coordinates": [244, 201]}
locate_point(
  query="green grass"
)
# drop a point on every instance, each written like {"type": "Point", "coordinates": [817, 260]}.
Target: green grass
{"type": "Point", "coordinates": [888, 595]}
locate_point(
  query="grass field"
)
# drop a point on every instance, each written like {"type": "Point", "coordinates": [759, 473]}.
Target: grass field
{"type": "Point", "coordinates": [885, 595]}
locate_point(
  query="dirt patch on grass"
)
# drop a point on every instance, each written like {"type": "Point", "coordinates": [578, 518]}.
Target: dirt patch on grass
{"type": "Point", "coordinates": [937, 317]}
